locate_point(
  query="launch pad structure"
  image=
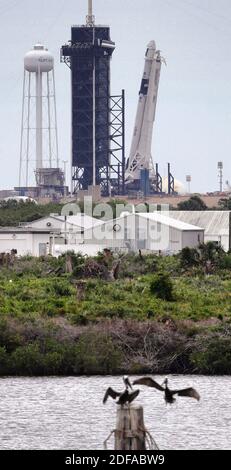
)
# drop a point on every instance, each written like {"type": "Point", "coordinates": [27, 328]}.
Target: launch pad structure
{"type": "Point", "coordinates": [98, 147]}
{"type": "Point", "coordinates": [98, 119]}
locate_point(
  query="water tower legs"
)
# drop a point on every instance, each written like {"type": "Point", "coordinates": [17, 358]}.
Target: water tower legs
{"type": "Point", "coordinates": [39, 121]}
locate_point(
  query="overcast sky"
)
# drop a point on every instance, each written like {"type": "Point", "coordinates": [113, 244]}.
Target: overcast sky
{"type": "Point", "coordinates": [193, 118]}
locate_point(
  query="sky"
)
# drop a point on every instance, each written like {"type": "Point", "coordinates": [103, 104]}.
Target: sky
{"type": "Point", "coordinates": [193, 118]}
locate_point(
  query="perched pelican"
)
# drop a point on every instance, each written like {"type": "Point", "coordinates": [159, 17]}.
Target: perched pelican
{"type": "Point", "coordinates": [168, 394]}
{"type": "Point", "coordinates": [127, 382]}
{"type": "Point", "coordinates": [124, 397]}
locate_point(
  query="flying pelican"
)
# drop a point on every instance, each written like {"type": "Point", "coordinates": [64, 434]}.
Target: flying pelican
{"type": "Point", "coordinates": [168, 394]}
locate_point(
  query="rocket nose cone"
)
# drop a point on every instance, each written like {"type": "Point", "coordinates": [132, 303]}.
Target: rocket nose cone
{"type": "Point", "coordinates": [151, 45]}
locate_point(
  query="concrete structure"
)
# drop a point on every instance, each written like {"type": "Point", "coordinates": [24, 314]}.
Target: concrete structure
{"type": "Point", "coordinates": [46, 191]}
{"type": "Point", "coordinates": [92, 191]}
{"type": "Point", "coordinates": [8, 193]}
{"type": "Point", "coordinates": [216, 224]}
{"type": "Point", "coordinates": [147, 232]}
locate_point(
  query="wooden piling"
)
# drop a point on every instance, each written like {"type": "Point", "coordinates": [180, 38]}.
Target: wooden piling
{"type": "Point", "coordinates": [130, 429]}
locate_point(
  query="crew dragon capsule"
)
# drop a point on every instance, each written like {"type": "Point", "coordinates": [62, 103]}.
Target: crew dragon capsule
{"type": "Point", "coordinates": [140, 154]}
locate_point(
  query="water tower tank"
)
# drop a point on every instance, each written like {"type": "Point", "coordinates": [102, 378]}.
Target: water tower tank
{"type": "Point", "coordinates": [39, 59]}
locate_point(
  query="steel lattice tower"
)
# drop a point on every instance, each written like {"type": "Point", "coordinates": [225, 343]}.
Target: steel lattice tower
{"type": "Point", "coordinates": [88, 55]}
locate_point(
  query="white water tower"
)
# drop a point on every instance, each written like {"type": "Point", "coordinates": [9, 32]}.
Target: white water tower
{"type": "Point", "coordinates": [39, 142]}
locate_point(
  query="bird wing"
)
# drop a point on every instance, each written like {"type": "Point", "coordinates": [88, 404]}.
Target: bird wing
{"type": "Point", "coordinates": [110, 393]}
{"type": "Point", "coordinates": [187, 392]}
{"type": "Point", "coordinates": [133, 395]}
{"type": "Point", "coordinates": [149, 382]}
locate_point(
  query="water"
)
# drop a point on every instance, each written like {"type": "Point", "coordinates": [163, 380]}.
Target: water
{"type": "Point", "coordinates": [67, 413]}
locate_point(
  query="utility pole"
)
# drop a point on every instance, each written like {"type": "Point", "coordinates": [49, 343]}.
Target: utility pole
{"type": "Point", "coordinates": [220, 175]}
{"type": "Point", "coordinates": [188, 180]}
{"type": "Point", "coordinates": [65, 174]}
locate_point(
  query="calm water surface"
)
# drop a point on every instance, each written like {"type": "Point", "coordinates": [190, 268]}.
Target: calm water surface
{"type": "Point", "coordinates": [67, 413]}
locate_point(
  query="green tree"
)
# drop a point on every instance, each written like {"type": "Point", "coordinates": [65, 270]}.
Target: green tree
{"type": "Point", "coordinates": [225, 204]}
{"type": "Point", "coordinates": [13, 212]}
{"type": "Point", "coordinates": [214, 356]}
{"type": "Point", "coordinates": [96, 353]}
{"type": "Point", "coordinates": [195, 203]}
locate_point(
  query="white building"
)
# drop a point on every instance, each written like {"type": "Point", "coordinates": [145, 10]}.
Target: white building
{"type": "Point", "coordinates": [33, 242]}
{"type": "Point", "coordinates": [216, 224]}
{"type": "Point", "coordinates": [145, 231]}
{"type": "Point", "coordinates": [153, 232]}
{"type": "Point", "coordinates": [38, 238]}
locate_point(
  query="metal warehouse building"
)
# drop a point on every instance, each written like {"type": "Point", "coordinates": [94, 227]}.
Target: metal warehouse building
{"type": "Point", "coordinates": [216, 224]}
{"type": "Point", "coordinates": [148, 232]}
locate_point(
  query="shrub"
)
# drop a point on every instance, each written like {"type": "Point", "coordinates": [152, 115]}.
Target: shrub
{"type": "Point", "coordinates": [10, 337]}
{"type": "Point", "coordinates": [225, 262]}
{"type": "Point", "coordinates": [214, 356]}
{"type": "Point", "coordinates": [27, 360]}
{"type": "Point", "coordinates": [96, 353]}
{"type": "Point", "coordinates": [62, 289]}
{"type": "Point", "coordinates": [189, 257]}
{"type": "Point", "coordinates": [211, 251]}
{"type": "Point", "coordinates": [195, 203]}
{"type": "Point", "coordinates": [162, 287]}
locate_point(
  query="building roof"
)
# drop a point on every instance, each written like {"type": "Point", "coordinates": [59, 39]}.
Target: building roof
{"type": "Point", "coordinates": [81, 220]}
{"type": "Point", "coordinates": [170, 222]}
{"type": "Point", "coordinates": [158, 217]}
{"type": "Point", "coordinates": [213, 222]}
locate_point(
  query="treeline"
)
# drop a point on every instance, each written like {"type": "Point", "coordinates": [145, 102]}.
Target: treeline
{"type": "Point", "coordinates": [13, 212]}
{"type": "Point", "coordinates": [195, 203]}
{"type": "Point", "coordinates": [55, 347]}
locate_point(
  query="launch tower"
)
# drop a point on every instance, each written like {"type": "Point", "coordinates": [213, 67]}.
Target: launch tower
{"type": "Point", "coordinates": [94, 113]}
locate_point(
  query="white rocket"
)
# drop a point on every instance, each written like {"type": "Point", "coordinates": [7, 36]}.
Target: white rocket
{"type": "Point", "coordinates": [140, 154]}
